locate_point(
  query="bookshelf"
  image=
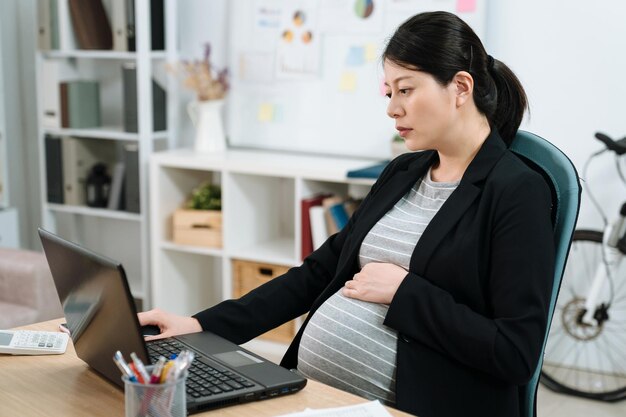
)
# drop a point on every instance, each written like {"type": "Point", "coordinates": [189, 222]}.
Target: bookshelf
{"type": "Point", "coordinates": [261, 195]}
{"type": "Point", "coordinates": [120, 231]}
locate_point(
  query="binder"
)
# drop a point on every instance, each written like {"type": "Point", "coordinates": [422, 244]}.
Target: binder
{"type": "Point", "coordinates": [51, 117]}
{"type": "Point", "coordinates": [44, 36]}
{"type": "Point", "coordinates": [319, 232]}
{"type": "Point", "coordinates": [91, 24]}
{"type": "Point", "coordinates": [305, 206]}
{"type": "Point", "coordinates": [119, 25]}
{"type": "Point", "coordinates": [159, 101]}
{"type": "Point", "coordinates": [80, 104]}
{"type": "Point", "coordinates": [54, 169]}
{"type": "Point", "coordinates": [372, 171]}
{"type": "Point", "coordinates": [157, 25]}
{"type": "Point", "coordinates": [130, 24]}
{"type": "Point", "coordinates": [131, 179]}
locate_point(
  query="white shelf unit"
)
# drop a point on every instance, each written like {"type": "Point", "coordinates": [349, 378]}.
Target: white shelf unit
{"type": "Point", "coordinates": [261, 194]}
{"type": "Point", "coordinates": [120, 235]}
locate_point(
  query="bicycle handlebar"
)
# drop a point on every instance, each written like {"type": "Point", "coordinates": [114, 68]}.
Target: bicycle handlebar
{"type": "Point", "coordinates": [617, 146]}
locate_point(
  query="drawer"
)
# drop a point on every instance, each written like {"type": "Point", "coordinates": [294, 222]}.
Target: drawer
{"type": "Point", "coordinates": [249, 275]}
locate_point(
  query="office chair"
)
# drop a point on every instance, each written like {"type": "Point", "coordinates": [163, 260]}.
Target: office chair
{"type": "Point", "coordinates": [562, 178]}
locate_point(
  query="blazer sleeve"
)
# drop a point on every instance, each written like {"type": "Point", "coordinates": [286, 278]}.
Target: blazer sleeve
{"type": "Point", "coordinates": [288, 296]}
{"type": "Point", "coordinates": [507, 343]}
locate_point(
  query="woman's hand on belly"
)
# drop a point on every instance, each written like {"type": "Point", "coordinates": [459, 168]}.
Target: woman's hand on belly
{"type": "Point", "coordinates": [376, 283]}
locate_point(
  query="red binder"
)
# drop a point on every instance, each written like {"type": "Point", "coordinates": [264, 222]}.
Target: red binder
{"type": "Point", "coordinates": [305, 205]}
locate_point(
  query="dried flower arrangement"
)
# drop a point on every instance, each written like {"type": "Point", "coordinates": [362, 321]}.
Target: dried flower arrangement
{"type": "Point", "coordinates": [200, 76]}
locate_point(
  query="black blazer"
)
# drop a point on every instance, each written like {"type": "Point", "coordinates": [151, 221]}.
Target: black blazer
{"type": "Point", "coordinates": [471, 313]}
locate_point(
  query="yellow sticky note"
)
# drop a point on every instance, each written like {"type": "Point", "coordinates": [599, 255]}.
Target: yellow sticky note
{"type": "Point", "coordinates": [370, 52]}
{"type": "Point", "coordinates": [348, 81]}
{"type": "Point", "coordinates": [266, 112]}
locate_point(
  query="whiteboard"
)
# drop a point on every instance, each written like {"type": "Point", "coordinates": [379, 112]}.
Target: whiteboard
{"type": "Point", "coordinates": [306, 75]}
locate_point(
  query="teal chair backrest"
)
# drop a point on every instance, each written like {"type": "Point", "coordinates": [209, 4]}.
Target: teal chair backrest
{"type": "Point", "coordinates": [562, 177]}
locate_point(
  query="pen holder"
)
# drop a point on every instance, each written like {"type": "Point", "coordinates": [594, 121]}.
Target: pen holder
{"type": "Point", "coordinates": [155, 400]}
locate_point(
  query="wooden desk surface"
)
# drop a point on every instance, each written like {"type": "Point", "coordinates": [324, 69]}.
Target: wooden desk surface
{"type": "Point", "coordinates": [63, 385]}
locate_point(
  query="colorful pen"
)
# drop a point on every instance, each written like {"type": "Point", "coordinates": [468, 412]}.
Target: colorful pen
{"type": "Point", "coordinates": [141, 369]}
{"type": "Point", "coordinates": [155, 378]}
{"type": "Point", "coordinates": [123, 366]}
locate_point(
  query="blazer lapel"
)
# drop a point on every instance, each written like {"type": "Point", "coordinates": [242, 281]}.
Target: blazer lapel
{"type": "Point", "coordinates": [389, 193]}
{"type": "Point", "coordinates": [459, 201]}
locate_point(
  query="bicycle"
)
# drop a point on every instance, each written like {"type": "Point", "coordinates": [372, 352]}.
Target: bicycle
{"type": "Point", "coordinates": [585, 353]}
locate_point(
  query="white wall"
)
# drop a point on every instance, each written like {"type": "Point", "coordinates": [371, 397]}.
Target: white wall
{"type": "Point", "coordinates": [17, 23]}
{"type": "Point", "coordinates": [571, 57]}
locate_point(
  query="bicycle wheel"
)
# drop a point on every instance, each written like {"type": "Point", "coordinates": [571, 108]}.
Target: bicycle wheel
{"type": "Point", "coordinates": [580, 359]}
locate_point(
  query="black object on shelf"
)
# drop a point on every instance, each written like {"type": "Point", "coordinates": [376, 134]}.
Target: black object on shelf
{"type": "Point", "coordinates": [98, 186]}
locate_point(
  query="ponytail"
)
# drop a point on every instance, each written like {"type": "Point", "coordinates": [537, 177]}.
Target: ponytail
{"type": "Point", "coordinates": [511, 101]}
{"type": "Point", "coordinates": [441, 44]}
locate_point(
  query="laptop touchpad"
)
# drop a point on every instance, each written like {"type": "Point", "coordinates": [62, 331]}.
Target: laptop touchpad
{"type": "Point", "coordinates": [236, 358]}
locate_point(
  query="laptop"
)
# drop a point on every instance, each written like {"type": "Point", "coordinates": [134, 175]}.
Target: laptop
{"type": "Point", "coordinates": [102, 319]}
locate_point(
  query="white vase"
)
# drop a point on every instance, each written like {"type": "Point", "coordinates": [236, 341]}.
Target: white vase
{"type": "Point", "coordinates": [207, 118]}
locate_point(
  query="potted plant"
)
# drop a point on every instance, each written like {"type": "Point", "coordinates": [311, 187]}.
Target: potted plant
{"type": "Point", "coordinates": [210, 86]}
{"type": "Point", "coordinates": [200, 221]}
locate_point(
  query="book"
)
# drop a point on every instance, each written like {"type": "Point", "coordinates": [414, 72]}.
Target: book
{"type": "Point", "coordinates": [131, 178]}
{"type": "Point", "coordinates": [50, 98]}
{"type": "Point", "coordinates": [80, 104]}
{"type": "Point", "coordinates": [327, 203]}
{"type": "Point", "coordinates": [372, 171]}
{"type": "Point", "coordinates": [339, 215]}
{"type": "Point", "coordinates": [159, 101]}
{"type": "Point", "coordinates": [54, 169]}
{"type": "Point", "coordinates": [305, 224]}
{"type": "Point", "coordinates": [319, 232]}
{"type": "Point", "coordinates": [91, 24]}
{"type": "Point", "coordinates": [117, 182]}
{"type": "Point", "coordinates": [157, 25]}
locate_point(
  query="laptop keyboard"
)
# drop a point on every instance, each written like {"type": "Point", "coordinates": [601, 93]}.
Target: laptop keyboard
{"type": "Point", "coordinates": [205, 378]}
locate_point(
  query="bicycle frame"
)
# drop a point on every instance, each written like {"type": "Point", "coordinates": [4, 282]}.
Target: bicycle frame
{"type": "Point", "coordinates": [612, 257]}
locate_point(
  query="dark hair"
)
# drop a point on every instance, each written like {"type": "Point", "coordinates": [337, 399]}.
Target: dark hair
{"type": "Point", "coordinates": [442, 44]}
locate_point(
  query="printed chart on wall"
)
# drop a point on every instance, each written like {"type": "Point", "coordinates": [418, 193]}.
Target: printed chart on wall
{"type": "Point", "coordinates": [307, 74]}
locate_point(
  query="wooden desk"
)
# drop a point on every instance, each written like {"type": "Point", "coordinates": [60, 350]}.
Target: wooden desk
{"type": "Point", "coordinates": [63, 385]}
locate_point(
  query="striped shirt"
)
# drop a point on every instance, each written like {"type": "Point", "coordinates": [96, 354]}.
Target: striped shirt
{"type": "Point", "coordinates": [345, 344]}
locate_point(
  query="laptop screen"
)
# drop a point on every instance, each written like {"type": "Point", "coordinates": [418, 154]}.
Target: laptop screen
{"type": "Point", "coordinates": [97, 303]}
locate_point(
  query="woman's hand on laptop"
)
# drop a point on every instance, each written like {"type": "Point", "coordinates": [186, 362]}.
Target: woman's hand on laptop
{"type": "Point", "coordinates": [169, 324]}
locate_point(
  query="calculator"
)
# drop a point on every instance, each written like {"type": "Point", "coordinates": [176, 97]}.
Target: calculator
{"type": "Point", "coordinates": [32, 342]}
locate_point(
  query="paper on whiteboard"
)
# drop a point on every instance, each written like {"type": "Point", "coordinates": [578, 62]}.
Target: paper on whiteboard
{"type": "Point", "coordinates": [351, 16]}
{"type": "Point", "coordinates": [299, 44]}
{"type": "Point", "coordinates": [370, 409]}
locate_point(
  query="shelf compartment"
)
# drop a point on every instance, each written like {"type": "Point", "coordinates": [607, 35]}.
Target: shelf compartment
{"type": "Point", "coordinates": [94, 212]}
{"type": "Point", "coordinates": [187, 282]}
{"type": "Point", "coordinates": [249, 198]}
{"type": "Point", "coordinates": [198, 250]}
{"type": "Point", "coordinates": [277, 251]}
{"type": "Point", "coordinates": [174, 188]}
